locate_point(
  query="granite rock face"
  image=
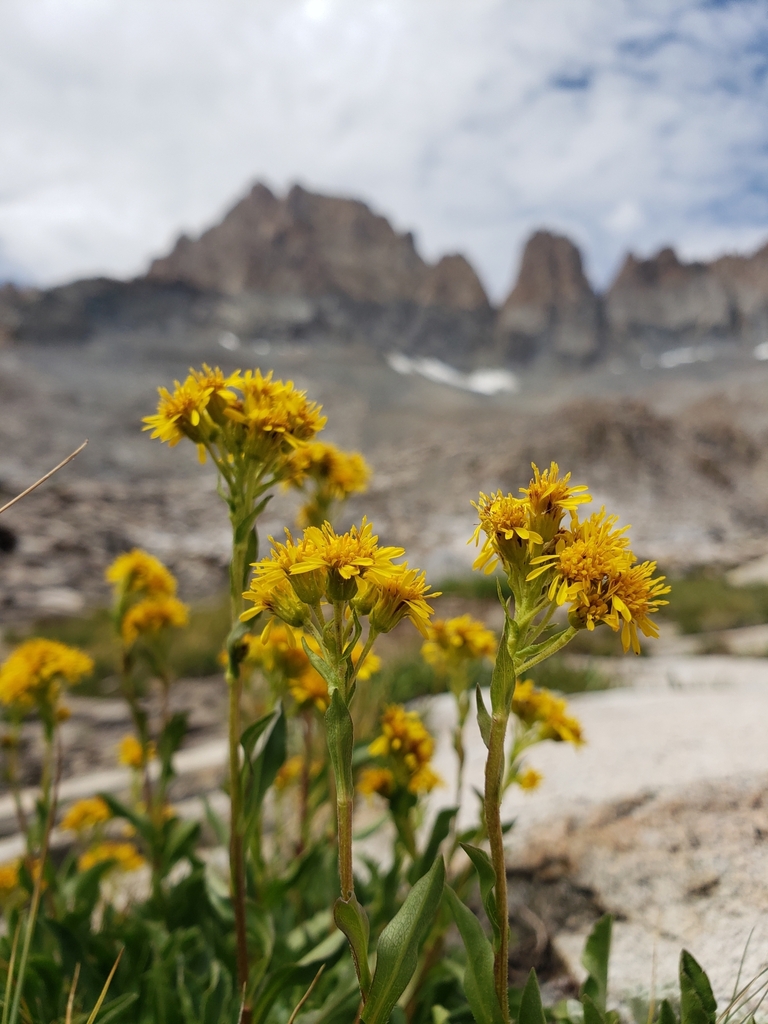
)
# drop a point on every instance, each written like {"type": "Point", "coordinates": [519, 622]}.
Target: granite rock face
{"type": "Point", "coordinates": [312, 245]}
{"type": "Point", "coordinates": [660, 301]}
{"type": "Point", "coordinates": [552, 306]}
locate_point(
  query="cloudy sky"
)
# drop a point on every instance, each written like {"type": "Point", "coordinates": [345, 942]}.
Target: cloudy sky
{"type": "Point", "coordinates": [624, 123]}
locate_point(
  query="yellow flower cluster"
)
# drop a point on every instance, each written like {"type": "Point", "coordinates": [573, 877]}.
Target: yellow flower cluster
{"type": "Point", "coordinates": [292, 770]}
{"type": "Point", "coordinates": [125, 856]}
{"type": "Point", "coordinates": [351, 567]}
{"type": "Point", "coordinates": [279, 653]}
{"type": "Point", "coordinates": [86, 814]}
{"type": "Point", "coordinates": [541, 708]}
{"type": "Point", "coordinates": [587, 565]}
{"type": "Point", "coordinates": [138, 572]}
{"type": "Point", "coordinates": [337, 473]}
{"type": "Point", "coordinates": [35, 671]}
{"type": "Point", "coordinates": [131, 753]}
{"type": "Point", "coordinates": [407, 747]}
{"type": "Point", "coordinates": [593, 569]}
{"type": "Point", "coordinates": [458, 640]}
{"type": "Point", "coordinates": [152, 615]}
{"type": "Point", "coordinates": [512, 526]}
{"type": "Point", "coordinates": [9, 878]}
{"type": "Point", "coordinates": [243, 415]}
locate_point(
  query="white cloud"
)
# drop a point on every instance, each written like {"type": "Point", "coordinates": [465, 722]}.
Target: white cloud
{"type": "Point", "coordinates": [626, 123]}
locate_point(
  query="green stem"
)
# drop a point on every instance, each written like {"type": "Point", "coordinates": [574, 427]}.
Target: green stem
{"type": "Point", "coordinates": [494, 771]}
{"type": "Point", "coordinates": [344, 808]}
{"type": "Point", "coordinates": [557, 644]}
{"type": "Point", "coordinates": [236, 833]}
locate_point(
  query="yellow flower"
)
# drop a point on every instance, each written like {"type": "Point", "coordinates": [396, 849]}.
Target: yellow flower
{"type": "Point", "coordinates": [506, 523]}
{"type": "Point", "coordinates": [86, 814]}
{"type": "Point", "coordinates": [289, 772]}
{"type": "Point", "coordinates": [541, 707]}
{"type": "Point", "coordinates": [152, 615]}
{"type": "Point", "coordinates": [376, 780]}
{"type": "Point", "coordinates": [635, 596]}
{"type": "Point", "coordinates": [590, 553]}
{"type": "Point", "coordinates": [594, 570]}
{"type": "Point", "coordinates": [132, 754]}
{"type": "Point", "coordinates": [9, 878]}
{"type": "Point", "coordinates": [138, 572]}
{"type": "Point", "coordinates": [125, 856]}
{"type": "Point", "coordinates": [339, 473]}
{"type": "Point", "coordinates": [424, 780]}
{"type": "Point", "coordinates": [35, 671]}
{"type": "Point", "coordinates": [347, 557]}
{"type": "Point", "coordinates": [408, 746]}
{"type": "Point", "coordinates": [276, 597]}
{"type": "Point", "coordinates": [286, 563]}
{"type": "Point", "coordinates": [369, 667]}
{"type": "Point", "coordinates": [279, 651]}
{"type": "Point", "coordinates": [402, 593]}
{"type": "Point", "coordinates": [550, 497]}
{"type": "Point", "coordinates": [310, 688]}
{"type": "Point", "coordinates": [452, 641]}
{"type": "Point", "coordinates": [274, 412]}
{"type": "Point", "coordinates": [529, 779]}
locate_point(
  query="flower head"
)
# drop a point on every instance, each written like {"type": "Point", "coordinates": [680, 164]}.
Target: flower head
{"type": "Point", "coordinates": [458, 640]}
{"type": "Point", "coordinates": [138, 572]}
{"type": "Point", "coordinates": [132, 754]}
{"type": "Point", "coordinates": [125, 856]}
{"type": "Point", "coordinates": [310, 689]}
{"type": "Point", "coordinates": [337, 472]}
{"type": "Point", "coordinates": [549, 497]}
{"type": "Point", "coordinates": [635, 596]}
{"type": "Point", "coordinates": [35, 671]}
{"type": "Point", "coordinates": [9, 878]}
{"type": "Point", "coordinates": [376, 780]}
{"type": "Point", "coordinates": [403, 593]}
{"type": "Point", "coordinates": [408, 747]}
{"type": "Point", "coordinates": [529, 779]}
{"type": "Point", "coordinates": [541, 708]}
{"type": "Point", "coordinates": [86, 814]}
{"type": "Point", "coordinates": [272, 415]}
{"type": "Point", "coordinates": [151, 616]}
{"type": "Point", "coordinates": [509, 534]}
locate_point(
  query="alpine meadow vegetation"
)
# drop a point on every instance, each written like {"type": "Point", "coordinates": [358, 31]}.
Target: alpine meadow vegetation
{"type": "Point", "coordinates": [273, 909]}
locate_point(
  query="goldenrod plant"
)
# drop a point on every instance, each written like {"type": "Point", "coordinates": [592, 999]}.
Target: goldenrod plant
{"type": "Point", "coordinates": [307, 926]}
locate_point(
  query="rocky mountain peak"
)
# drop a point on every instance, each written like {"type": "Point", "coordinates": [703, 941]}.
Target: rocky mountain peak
{"type": "Point", "coordinates": [311, 245]}
{"type": "Point", "coordinates": [552, 302]}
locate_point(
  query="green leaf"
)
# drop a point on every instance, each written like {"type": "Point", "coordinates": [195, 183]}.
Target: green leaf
{"type": "Point", "coordinates": [503, 678]}
{"type": "Point", "coordinates": [351, 919]}
{"type": "Point", "coordinates": [262, 769]}
{"type": "Point", "coordinates": [479, 986]}
{"type": "Point", "coordinates": [483, 718]}
{"type": "Point", "coordinates": [666, 1013]}
{"type": "Point", "coordinates": [170, 740]}
{"type": "Point", "coordinates": [592, 1014]}
{"type": "Point", "coordinates": [697, 1003]}
{"type": "Point", "coordinates": [398, 950]}
{"type": "Point", "coordinates": [487, 878]}
{"type": "Point", "coordinates": [440, 830]}
{"type": "Point", "coordinates": [340, 734]}
{"type": "Point", "coordinates": [180, 840]}
{"type": "Point", "coordinates": [595, 958]}
{"type": "Point", "coordinates": [250, 737]}
{"type": "Point", "coordinates": [531, 1011]}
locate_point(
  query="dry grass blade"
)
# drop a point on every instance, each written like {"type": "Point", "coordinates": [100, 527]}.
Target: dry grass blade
{"type": "Point", "coordinates": [71, 1000]}
{"type": "Point", "coordinates": [306, 995]}
{"type": "Point", "coordinates": [104, 991]}
{"type": "Point", "coordinates": [42, 479]}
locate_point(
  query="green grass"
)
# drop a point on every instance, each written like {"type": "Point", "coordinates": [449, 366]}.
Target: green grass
{"type": "Point", "coordinates": [703, 601]}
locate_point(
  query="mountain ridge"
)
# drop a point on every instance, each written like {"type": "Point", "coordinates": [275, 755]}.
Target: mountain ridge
{"type": "Point", "coordinates": [310, 265]}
